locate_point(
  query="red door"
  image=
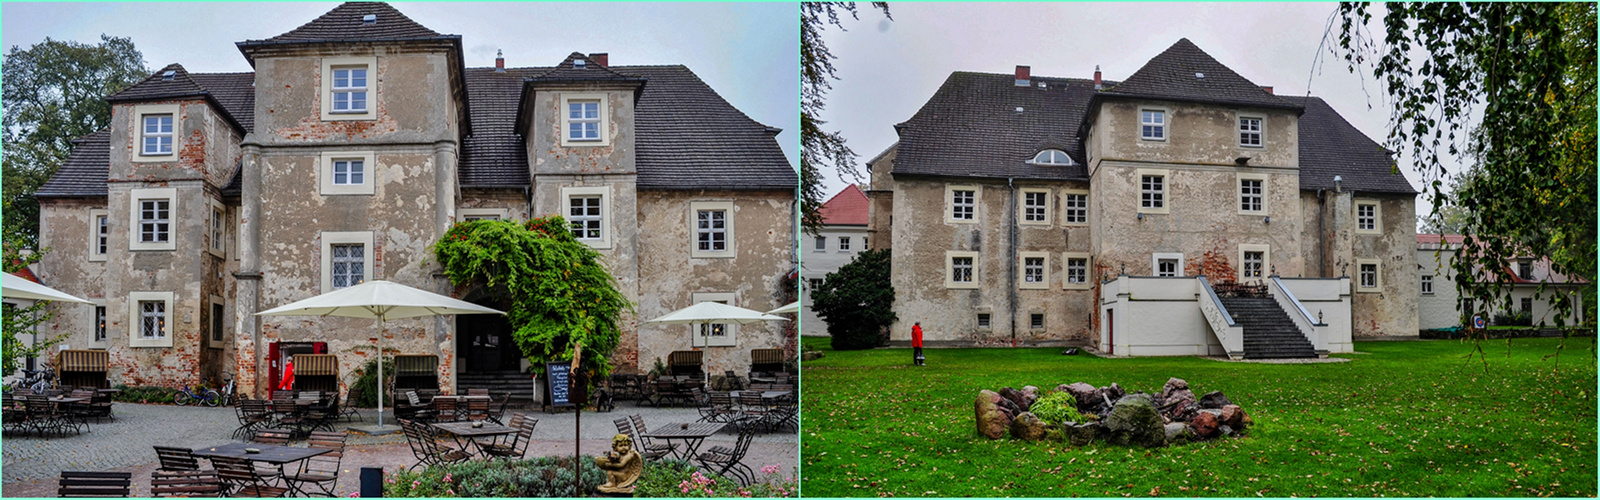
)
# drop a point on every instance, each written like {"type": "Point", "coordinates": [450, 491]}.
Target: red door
{"type": "Point", "coordinates": [1111, 332]}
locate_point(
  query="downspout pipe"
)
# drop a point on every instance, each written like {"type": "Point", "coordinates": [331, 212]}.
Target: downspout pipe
{"type": "Point", "coordinates": [1011, 230]}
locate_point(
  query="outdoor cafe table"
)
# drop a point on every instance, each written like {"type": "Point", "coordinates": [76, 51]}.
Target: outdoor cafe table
{"type": "Point", "coordinates": [466, 430]}
{"type": "Point", "coordinates": [691, 434]}
{"type": "Point", "coordinates": [270, 453]}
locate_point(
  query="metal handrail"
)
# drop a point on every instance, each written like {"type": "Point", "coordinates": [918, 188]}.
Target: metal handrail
{"type": "Point", "coordinates": [1217, 300]}
{"type": "Point", "coordinates": [1302, 307]}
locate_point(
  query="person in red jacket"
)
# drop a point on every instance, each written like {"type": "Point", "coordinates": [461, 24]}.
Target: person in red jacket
{"type": "Point", "coordinates": [916, 344]}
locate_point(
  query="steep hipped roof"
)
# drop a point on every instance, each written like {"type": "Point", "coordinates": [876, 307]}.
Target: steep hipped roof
{"type": "Point", "coordinates": [971, 128]}
{"type": "Point", "coordinates": [1331, 146]}
{"type": "Point", "coordinates": [848, 208]}
{"type": "Point", "coordinates": [568, 71]}
{"type": "Point", "coordinates": [1185, 73]}
{"type": "Point", "coordinates": [344, 24]}
{"type": "Point", "coordinates": [232, 94]}
{"type": "Point", "coordinates": [85, 172]}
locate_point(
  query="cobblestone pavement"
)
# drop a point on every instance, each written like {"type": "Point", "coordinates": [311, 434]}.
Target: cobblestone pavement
{"type": "Point", "coordinates": [31, 464]}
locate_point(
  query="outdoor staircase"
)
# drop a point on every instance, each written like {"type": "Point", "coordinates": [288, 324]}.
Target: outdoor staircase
{"type": "Point", "coordinates": [498, 382]}
{"type": "Point", "coordinates": [1268, 331]}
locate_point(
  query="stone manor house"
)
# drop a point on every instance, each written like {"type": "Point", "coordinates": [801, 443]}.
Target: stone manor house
{"type": "Point", "coordinates": [358, 140]}
{"type": "Point", "coordinates": [1123, 215]}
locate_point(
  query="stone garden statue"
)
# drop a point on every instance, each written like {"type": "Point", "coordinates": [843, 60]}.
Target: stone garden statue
{"type": "Point", "coordinates": [622, 466]}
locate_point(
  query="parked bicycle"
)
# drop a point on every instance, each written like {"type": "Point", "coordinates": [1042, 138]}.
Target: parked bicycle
{"type": "Point", "coordinates": [38, 381]}
{"type": "Point", "coordinates": [208, 397]}
{"type": "Point", "coordinates": [229, 393]}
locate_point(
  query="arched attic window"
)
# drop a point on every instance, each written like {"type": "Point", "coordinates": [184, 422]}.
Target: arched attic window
{"type": "Point", "coordinates": [1054, 157]}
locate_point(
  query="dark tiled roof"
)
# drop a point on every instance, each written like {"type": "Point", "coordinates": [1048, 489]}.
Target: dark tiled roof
{"type": "Point", "coordinates": [232, 93]}
{"type": "Point", "coordinates": [686, 136]}
{"type": "Point", "coordinates": [344, 24]}
{"type": "Point", "coordinates": [85, 171]}
{"type": "Point", "coordinates": [1172, 75]}
{"type": "Point", "coordinates": [567, 71]}
{"type": "Point", "coordinates": [971, 128]}
{"type": "Point", "coordinates": [1330, 146]}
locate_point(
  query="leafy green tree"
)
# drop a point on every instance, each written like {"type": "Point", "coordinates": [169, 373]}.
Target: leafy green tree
{"type": "Point", "coordinates": [560, 293]}
{"type": "Point", "coordinates": [16, 321]}
{"type": "Point", "coordinates": [1529, 68]}
{"type": "Point", "coordinates": [819, 147]}
{"type": "Point", "coordinates": [857, 301]}
{"type": "Point", "coordinates": [1452, 217]}
{"type": "Point", "coordinates": [54, 92]}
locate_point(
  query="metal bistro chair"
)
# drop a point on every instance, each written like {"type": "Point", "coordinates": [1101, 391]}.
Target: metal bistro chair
{"type": "Point", "coordinates": [719, 408]}
{"type": "Point", "coordinates": [243, 480]}
{"type": "Point", "coordinates": [444, 409]}
{"type": "Point", "coordinates": [426, 448]}
{"type": "Point", "coordinates": [277, 437]}
{"type": "Point", "coordinates": [94, 484]}
{"type": "Point", "coordinates": [477, 409]}
{"type": "Point", "coordinates": [644, 444]}
{"type": "Point", "coordinates": [322, 470]}
{"type": "Point", "coordinates": [646, 451]}
{"type": "Point", "coordinates": [725, 461]}
{"type": "Point", "coordinates": [348, 409]}
{"type": "Point", "coordinates": [177, 459]}
{"type": "Point", "coordinates": [519, 442]}
{"type": "Point", "coordinates": [497, 411]}
{"type": "Point", "coordinates": [186, 483]}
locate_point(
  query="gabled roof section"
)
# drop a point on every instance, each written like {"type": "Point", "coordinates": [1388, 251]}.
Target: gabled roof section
{"type": "Point", "coordinates": [231, 94]}
{"type": "Point", "coordinates": [1185, 73]}
{"type": "Point", "coordinates": [568, 71]}
{"type": "Point", "coordinates": [971, 128]}
{"type": "Point", "coordinates": [848, 208]}
{"type": "Point", "coordinates": [1331, 146]}
{"type": "Point", "coordinates": [84, 173]}
{"type": "Point", "coordinates": [345, 24]}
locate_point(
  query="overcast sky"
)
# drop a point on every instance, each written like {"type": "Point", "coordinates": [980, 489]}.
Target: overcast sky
{"type": "Point", "coordinates": [889, 69]}
{"type": "Point", "coordinates": [746, 51]}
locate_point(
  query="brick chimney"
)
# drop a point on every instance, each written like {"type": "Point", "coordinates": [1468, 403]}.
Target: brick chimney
{"type": "Point", "coordinates": [1097, 77]}
{"type": "Point", "coordinates": [499, 61]}
{"type": "Point", "coordinates": [600, 58]}
{"type": "Point", "coordinates": [1022, 76]}
{"type": "Point", "coordinates": [1267, 88]}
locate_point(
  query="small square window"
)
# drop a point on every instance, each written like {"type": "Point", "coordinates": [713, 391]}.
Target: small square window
{"type": "Point", "coordinates": [586, 217]}
{"type": "Point", "coordinates": [155, 221]}
{"type": "Point", "coordinates": [1077, 208]}
{"type": "Point", "coordinates": [1252, 264]}
{"type": "Point", "coordinates": [1527, 305]}
{"type": "Point", "coordinates": [1250, 132]}
{"type": "Point", "coordinates": [1033, 270]}
{"type": "Point", "coordinates": [822, 243]}
{"type": "Point", "coordinates": [1167, 267]}
{"type": "Point", "coordinates": [583, 120]}
{"type": "Point", "coordinates": [983, 320]}
{"type": "Point", "coordinates": [1427, 285]}
{"type": "Point", "coordinates": [1077, 271]}
{"type": "Point", "coordinates": [961, 269]}
{"type": "Point", "coordinates": [348, 265]}
{"type": "Point", "coordinates": [1250, 195]}
{"type": "Point", "coordinates": [1366, 217]}
{"type": "Point", "coordinates": [1036, 321]}
{"type": "Point", "coordinates": [962, 204]}
{"type": "Point", "coordinates": [349, 89]}
{"type": "Point", "coordinates": [1153, 125]}
{"type": "Point", "coordinates": [1036, 206]}
{"type": "Point", "coordinates": [1369, 275]}
{"type": "Point", "coordinates": [711, 234]}
{"type": "Point", "coordinates": [349, 172]}
{"type": "Point", "coordinates": [157, 135]}
{"type": "Point", "coordinates": [844, 243]}
{"type": "Point", "coordinates": [152, 319]}
{"type": "Point", "coordinates": [1525, 269]}
{"type": "Point", "coordinates": [1152, 191]}
{"type": "Point", "coordinates": [816, 283]}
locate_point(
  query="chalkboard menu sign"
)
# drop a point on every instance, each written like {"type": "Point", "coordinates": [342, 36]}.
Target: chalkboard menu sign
{"type": "Point", "coordinates": [559, 380]}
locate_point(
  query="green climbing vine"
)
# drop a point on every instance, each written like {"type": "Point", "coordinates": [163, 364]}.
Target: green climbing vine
{"type": "Point", "coordinates": [560, 292]}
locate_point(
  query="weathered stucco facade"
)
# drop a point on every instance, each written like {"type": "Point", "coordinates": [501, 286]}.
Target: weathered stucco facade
{"type": "Point", "coordinates": [360, 139]}
{"type": "Point", "coordinates": [1215, 177]}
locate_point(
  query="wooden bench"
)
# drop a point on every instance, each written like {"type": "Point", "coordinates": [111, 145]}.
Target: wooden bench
{"type": "Point", "coordinates": [94, 484]}
{"type": "Point", "coordinates": [190, 483]}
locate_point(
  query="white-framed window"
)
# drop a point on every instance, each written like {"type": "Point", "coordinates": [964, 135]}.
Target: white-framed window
{"type": "Point", "coordinates": [1250, 131]}
{"type": "Point", "coordinates": [844, 243]}
{"type": "Point", "coordinates": [1051, 157]}
{"type": "Point", "coordinates": [1153, 124]}
{"type": "Point", "coordinates": [585, 119]}
{"type": "Point", "coordinates": [99, 320]}
{"type": "Point", "coordinates": [1368, 216]}
{"type": "Point", "coordinates": [158, 138]}
{"type": "Point", "coordinates": [1077, 271]}
{"type": "Point", "coordinates": [1036, 321]}
{"type": "Point", "coordinates": [1035, 207]}
{"type": "Point", "coordinates": [347, 259]}
{"type": "Point", "coordinates": [216, 229]}
{"type": "Point", "coordinates": [1527, 305]}
{"type": "Point", "coordinates": [347, 173]}
{"type": "Point", "coordinates": [152, 211]}
{"type": "Point", "coordinates": [961, 204]}
{"type": "Point", "coordinates": [1252, 194]}
{"type": "Point", "coordinates": [1525, 269]}
{"type": "Point", "coordinates": [821, 244]}
{"type": "Point", "coordinates": [816, 283]}
{"type": "Point", "coordinates": [960, 269]}
{"type": "Point", "coordinates": [348, 88]}
{"type": "Point", "coordinates": [1035, 269]}
{"type": "Point", "coordinates": [219, 322]}
{"type": "Point", "coordinates": [714, 334]}
{"type": "Point", "coordinates": [585, 214]}
{"type": "Point", "coordinates": [864, 245]}
{"type": "Point", "coordinates": [148, 319]}
{"type": "Point", "coordinates": [1255, 261]}
{"type": "Point", "coordinates": [1075, 208]}
{"type": "Point", "coordinates": [712, 224]}
{"type": "Point", "coordinates": [1369, 275]}
{"type": "Point", "coordinates": [1166, 264]}
{"type": "Point", "coordinates": [99, 234]}
{"type": "Point", "coordinates": [1153, 189]}
{"type": "Point", "coordinates": [1427, 284]}
{"type": "Point", "coordinates": [983, 321]}
{"type": "Point", "coordinates": [472, 214]}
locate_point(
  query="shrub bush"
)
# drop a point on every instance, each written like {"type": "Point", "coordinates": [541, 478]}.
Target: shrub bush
{"type": "Point", "coordinates": [857, 301]}
{"type": "Point", "coordinates": [367, 382]}
{"type": "Point", "coordinates": [1057, 408]}
{"type": "Point", "coordinates": [160, 395]}
{"type": "Point", "coordinates": [542, 477]}
{"type": "Point", "coordinates": [1518, 318]}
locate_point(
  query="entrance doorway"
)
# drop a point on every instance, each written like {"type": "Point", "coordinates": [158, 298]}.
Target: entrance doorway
{"type": "Point", "coordinates": [484, 342]}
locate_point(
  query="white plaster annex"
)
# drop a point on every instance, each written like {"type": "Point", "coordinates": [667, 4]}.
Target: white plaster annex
{"type": "Point", "coordinates": [1440, 304]}
{"type": "Point", "coordinates": [843, 235]}
{"type": "Point", "coordinates": [1029, 208]}
{"type": "Point", "coordinates": [357, 141]}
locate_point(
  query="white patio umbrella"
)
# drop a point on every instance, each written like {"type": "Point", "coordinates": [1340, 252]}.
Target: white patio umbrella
{"type": "Point", "coordinates": [383, 301]}
{"type": "Point", "coordinates": [715, 312]}
{"type": "Point", "coordinates": [790, 308]}
{"type": "Point", "coordinates": [17, 287]}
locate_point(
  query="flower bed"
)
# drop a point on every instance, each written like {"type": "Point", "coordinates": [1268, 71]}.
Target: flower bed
{"type": "Point", "coordinates": [676, 479]}
{"type": "Point", "coordinates": [542, 477]}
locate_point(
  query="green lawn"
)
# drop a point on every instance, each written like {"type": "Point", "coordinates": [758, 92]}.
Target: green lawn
{"type": "Point", "coordinates": [1403, 418]}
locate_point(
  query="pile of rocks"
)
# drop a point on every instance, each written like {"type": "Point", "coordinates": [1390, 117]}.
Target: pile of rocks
{"type": "Point", "coordinates": [1113, 415]}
